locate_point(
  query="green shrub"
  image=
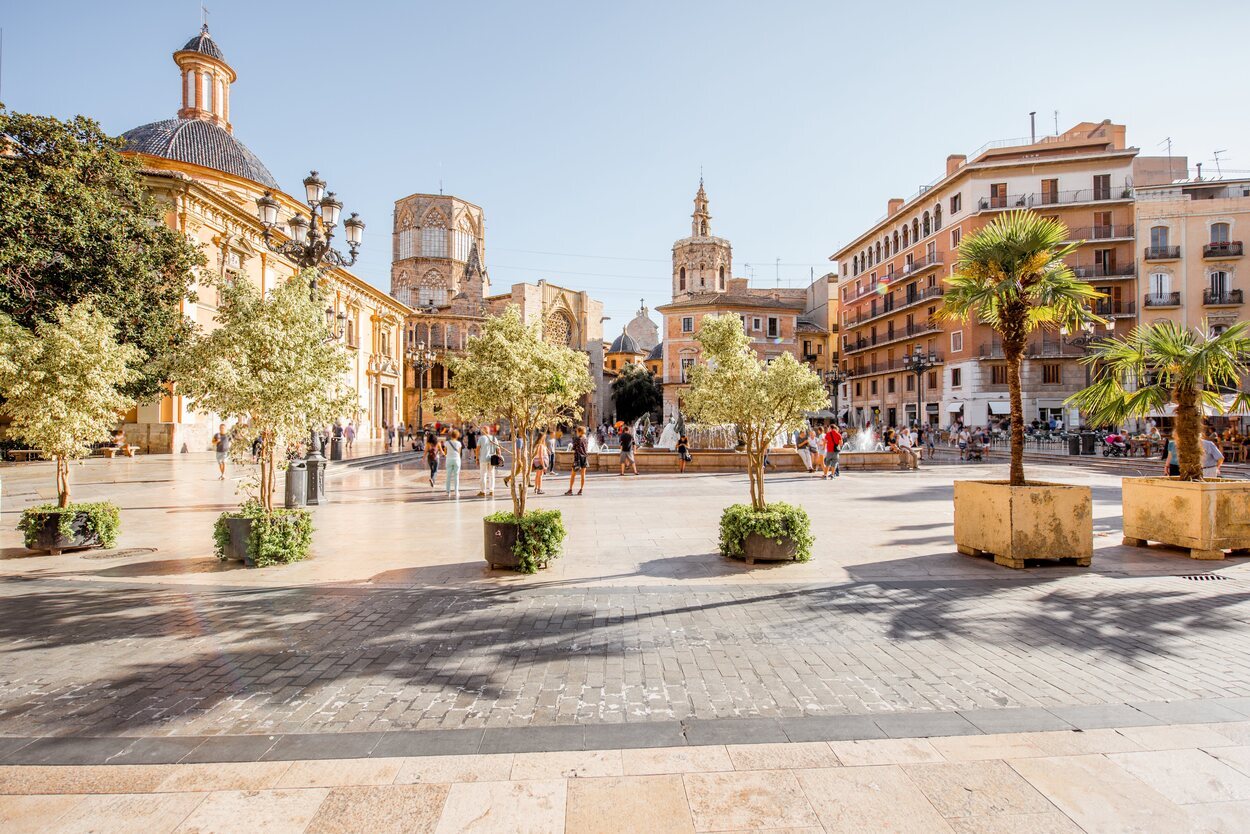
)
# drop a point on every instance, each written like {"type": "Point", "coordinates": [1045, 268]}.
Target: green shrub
{"type": "Point", "coordinates": [779, 521]}
{"type": "Point", "coordinates": [539, 539]}
{"type": "Point", "coordinates": [277, 539]}
{"type": "Point", "coordinates": [103, 521]}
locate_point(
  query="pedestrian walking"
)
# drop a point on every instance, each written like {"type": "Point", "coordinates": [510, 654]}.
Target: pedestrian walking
{"type": "Point", "coordinates": [627, 451]}
{"type": "Point", "coordinates": [491, 458]}
{"type": "Point", "coordinates": [581, 460]}
{"type": "Point", "coordinates": [432, 448]}
{"type": "Point", "coordinates": [551, 449]}
{"type": "Point", "coordinates": [1212, 457]}
{"type": "Point", "coordinates": [683, 453]}
{"type": "Point", "coordinates": [539, 462]}
{"type": "Point", "coordinates": [802, 444]}
{"type": "Point", "coordinates": [349, 434]}
{"type": "Point", "coordinates": [471, 444]}
{"type": "Point", "coordinates": [833, 445]}
{"type": "Point", "coordinates": [221, 444]}
{"type": "Point", "coordinates": [451, 477]}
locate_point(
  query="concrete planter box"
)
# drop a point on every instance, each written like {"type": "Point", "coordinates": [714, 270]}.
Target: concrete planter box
{"type": "Point", "coordinates": [499, 540]}
{"type": "Point", "coordinates": [876, 461]}
{"type": "Point", "coordinates": [757, 548]}
{"type": "Point", "coordinates": [236, 549]}
{"type": "Point", "coordinates": [1036, 521]}
{"type": "Point", "coordinates": [49, 538]}
{"type": "Point", "coordinates": [1207, 517]}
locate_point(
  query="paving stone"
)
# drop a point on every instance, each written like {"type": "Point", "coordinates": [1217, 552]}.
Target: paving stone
{"type": "Point", "coordinates": [1023, 720]}
{"type": "Point", "coordinates": [925, 724]}
{"type": "Point", "coordinates": [1103, 716]}
{"type": "Point", "coordinates": [735, 731]}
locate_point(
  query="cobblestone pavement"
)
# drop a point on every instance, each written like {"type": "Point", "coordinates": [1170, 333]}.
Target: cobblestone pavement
{"type": "Point", "coordinates": [82, 658]}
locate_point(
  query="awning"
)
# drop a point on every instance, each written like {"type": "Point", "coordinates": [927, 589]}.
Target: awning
{"type": "Point", "coordinates": [932, 408]}
{"type": "Point", "coordinates": [1169, 410]}
{"type": "Point", "coordinates": [998, 407]}
{"type": "Point", "coordinates": [824, 414]}
{"type": "Point", "coordinates": [953, 407]}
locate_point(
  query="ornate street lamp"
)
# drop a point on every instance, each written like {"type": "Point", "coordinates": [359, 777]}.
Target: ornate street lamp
{"type": "Point", "coordinates": [833, 381]}
{"type": "Point", "coordinates": [309, 237]}
{"type": "Point", "coordinates": [919, 362]}
{"type": "Point", "coordinates": [1084, 341]}
{"type": "Point", "coordinates": [421, 361]}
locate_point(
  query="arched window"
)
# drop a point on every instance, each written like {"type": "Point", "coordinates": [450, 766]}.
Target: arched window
{"type": "Point", "coordinates": [188, 94]}
{"type": "Point", "coordinates": [1219, 285]}
{"type": "Point", "coordinates": [702, 275]}
{"type": "Point", "coordinates": [937, 217]}
{"type": "Point", "coordinates": [682, 278]}
{"type": "Point", "coordinates": [877, 259]}
{"type": "Point", "coordinates": [434, 236]}
{"type": "Point", "coordinates": [896, 241]}
{"type": "Point", "coordinates": [855, 264]}
{"type": "Point", "coordinates": [722, 278]}
{"type": "Point", "coordinates": [1219, 233]}
{"type": "Point", "coordinates": [906, 237]}
{"type": "Point", "coordinates": [437, 378]}
{"type": "Point", "coordinates": [208, 91]}
{"type": "Point", "coordinates": [915, 231]}
{"type": "Point", "coordinates": [927, 225]}
{"type": "Point", "coordinates": [432, 292]}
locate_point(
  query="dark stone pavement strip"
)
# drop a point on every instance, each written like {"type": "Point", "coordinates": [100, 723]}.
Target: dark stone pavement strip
{"type": "Point", "coordinates": [90, 659]}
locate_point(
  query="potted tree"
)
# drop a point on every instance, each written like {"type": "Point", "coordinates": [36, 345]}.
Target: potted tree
{"type": "Point", "coordinates": [760, 400]}
{"type": "Point", "coordinates": [271, 365]}
{"type": "Point", "coordinates": [510, 374]}
{"type": "Point", "coordinates": [1012, 277]}
{"type": "Point", "coordinates": [1157, 364]}
{"type": "Point", "coordinates": [60, 385]}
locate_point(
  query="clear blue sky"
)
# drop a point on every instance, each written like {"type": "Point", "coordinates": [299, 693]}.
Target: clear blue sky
{"type": "Point", "coordinates": [580, 127]}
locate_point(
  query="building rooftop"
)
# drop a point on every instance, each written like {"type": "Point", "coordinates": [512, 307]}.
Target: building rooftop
{"type": "Point", "coordinates": [199, 142]}
{"type": "Point", "coordinates": [624, 343]}
{"type": "Point", "coordinates": [204, 44]}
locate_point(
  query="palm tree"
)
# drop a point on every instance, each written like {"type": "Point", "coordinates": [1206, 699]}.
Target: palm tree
{"type": "Point", "coordinates": [1012, 277]}
{"type": "Point", "coordinates": [1163, 362]}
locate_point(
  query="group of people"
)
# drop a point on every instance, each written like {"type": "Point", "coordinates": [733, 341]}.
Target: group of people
{"type": "Point", "coordinates": [823, 444]}
{"type": "Point", "coordinates": [450, 448]}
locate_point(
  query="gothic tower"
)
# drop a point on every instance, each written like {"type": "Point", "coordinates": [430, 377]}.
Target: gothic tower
{"type": "Point", "coordinates": [701, 263]}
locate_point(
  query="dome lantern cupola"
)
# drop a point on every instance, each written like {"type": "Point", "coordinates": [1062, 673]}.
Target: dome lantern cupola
{"type": "Point", "coordinates": [206, 80]}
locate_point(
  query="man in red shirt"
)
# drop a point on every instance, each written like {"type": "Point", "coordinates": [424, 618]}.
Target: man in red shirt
{"type": "Point", "coordinates": [833, 444]}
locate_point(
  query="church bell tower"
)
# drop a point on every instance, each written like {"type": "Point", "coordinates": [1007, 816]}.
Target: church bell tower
{"type": "Point", "coordinates": [701, 263]}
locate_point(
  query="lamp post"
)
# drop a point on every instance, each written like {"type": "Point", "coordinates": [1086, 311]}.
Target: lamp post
{"type": "Point", "coordinates": [421, 361]}
{"type": "Point", "coordinates": [308, 245]}
{"type": "Point", "coordinates": [1084, 341]}
{"type": "Point", "coordinates": [833, 381]}
{"type": "Point", "coordinates": [919, 362]}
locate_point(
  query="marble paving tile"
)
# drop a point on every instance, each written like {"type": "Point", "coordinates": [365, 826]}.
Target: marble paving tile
{"type": "Point", "coordinates": [977, 748]}
{"type": "Point", "coordinates": [380, 809]}
{"type": "Point", "coordinates": [51, 779]}
{"type": "Point", "coordinates": [1176, 737]}
{"type": "Point", "coordinates": [224, 776]}
{"type": "Point", "coordinates": [885, 751]}
{"type": "Point", "coordinates": [1069, 743]}
{"type": "Point", "coordinates": [570, 764]}
{"type": "Point", "coordinates": [1186, 776]}
{"type": "Point", "coordinates": [333, 773]}
{"type": "Point", "coordinates": [658, 760]}
{"type": "Point", "coordinates": [157, 813]}
{"type": "Point", "coordinates": [1100, 796]}
{"type": "Point", "coordinates": [778, 756]}
{"type": "Point", "coordinates": [1052, 823]}
{"type": "Point", "coordinates": [1218, 817]}
{"type": "Point", "coordinates": [628, 805]}
{"type": "Point", "coordinates": [855, 800]}
{"type": "Point", "coordinates": [488, 767]}
{"type": "Point", "coordinates": [747, 799]}
{"type": "Point", "coordinates": [1237, 758]}
{"type": "Point", "coordinates": [35, 814]}
{"type": "Point", "coordinates": [976, 789]}
{"type": "Point", "coordinates": [504, 808]}
{"type": "Point", "coordinates": [247, 812]}
{"type": "Point", "coordinates": [1238, 731]}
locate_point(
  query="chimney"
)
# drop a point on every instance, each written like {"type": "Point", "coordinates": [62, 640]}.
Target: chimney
{"type": "Point", "coordinates": [1200, 171]}
{"type": "Point", "coordinates": [892, 207]}
{"type": "Point", "coordinates": [954, 162]}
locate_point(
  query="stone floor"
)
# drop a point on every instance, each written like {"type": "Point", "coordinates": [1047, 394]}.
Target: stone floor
{"type": "Point", "coordinates": [1167, 779]}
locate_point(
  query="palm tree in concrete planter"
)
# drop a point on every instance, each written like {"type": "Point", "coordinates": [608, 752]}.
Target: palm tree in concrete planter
{"type": "Point", "coordinates": [1012, 277]}
{"type": "Point", "coordinates": [1165, 363]}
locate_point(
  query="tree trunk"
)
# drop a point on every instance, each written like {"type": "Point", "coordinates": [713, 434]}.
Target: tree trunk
{"type": "Point", "coordinates": [1187, 435]}
{"type": "Point", "coordinates": [1013, 352]}
{"type": "Point", "coordinates": [267, 466]}
{"type": "Point", "coordinates": [520, 460]}
{"type": "Point", "coordinates": [62, 482]}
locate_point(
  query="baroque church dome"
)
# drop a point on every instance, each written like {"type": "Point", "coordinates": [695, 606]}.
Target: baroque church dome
{"type": "Point", "coordinates": [625, 343]}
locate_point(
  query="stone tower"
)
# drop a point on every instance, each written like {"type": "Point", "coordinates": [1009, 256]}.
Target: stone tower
{"type": "Point", "coordinates": [439, 247]}
{"type": "Point", "coordinates": [701, 263]}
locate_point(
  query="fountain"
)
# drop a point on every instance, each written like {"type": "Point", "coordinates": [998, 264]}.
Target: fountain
{"type": "Point", "coordinates": [865, 451]}
{"type": "Point", "coordinates": [668, 437]}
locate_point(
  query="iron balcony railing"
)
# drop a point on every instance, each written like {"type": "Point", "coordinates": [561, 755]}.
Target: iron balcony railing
{"type": "Point", "coordinates": [1162, 253]}
{"type": "Point", "coordinates": [898, 303]}
{"type": "Point", "coordinates": [1040, 349]}
{"type": "Point", "coordinates": [1222, 249]}
{"type": "Point", "coordinates": [1217, 298]}
{"type": "Point", "coordinates": [1102, 270]}
{"type": "Point", "coordinates": [1109, 232]}
{"type": "Point", "coordinates": [921, 264]}
{"type": "Point", "coordinates": [866, 368]}
{"type": "Point", "coordinates": [1163, 299]}
{"type": "Point", "coordinates": [1054, 198]}
{"type": "Point", "coordinates": [913, 329]}
{"type": "Point", "coordinates": [1113, 308]}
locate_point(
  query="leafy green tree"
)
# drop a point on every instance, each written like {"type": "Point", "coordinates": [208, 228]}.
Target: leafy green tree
{"type": "Point", "coordinates": [635, 392]}
{"type": "Point", "coordinates": [61, 384]}
{"type": "Point", "coordinates": [509, 373]}
{"type": "Point", "coordinates": [271, 364]}
{"type": "Point", "coordinates": [1011, 276]}
{"type": "Point", "coordinates": [1160, 363]}
{"type": "Point", "coordinates": [76, 223]}
{"type": "Point", "coordinates": [734, 387]}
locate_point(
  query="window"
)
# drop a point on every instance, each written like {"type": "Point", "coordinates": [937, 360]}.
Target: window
{"type": "Point", "coordinates": [998, 374]}
{"type": "Point", "coordinates": [1102, 186]}
{"type": "Point", "coordinates": [681, 279]}
{"type": "Point", "coordinates": [957, 377]}
{"type": "Point", "coordinates": [722, 278]}
{"type": "Point", "coordinates": [957, 203]}
{"type": "Point", "coordinates": [1052, 374]}
{"type": "Point", "coordinates": [1160, 284]}
{"type": "Point", "coordinates": [872, 387]}
{"type": "Point", "coordinates": [927, 224]}
{"type": "Point", "coordinates": [407, 243]}
{"type": "Point", "coordinates": [859, 389]}
{"type": "Point", "coordinates": [1104, 262]}
{"type": "Point", "coordinates": [433, 242]}
{"type": "Point", "coordinates": [998, 195]}
{"type": "Point", "coordinates": [1102, 225]}
{"type": "Point", "coordinates": [889, 385]}
{"type": "Point", "coordinates": [906, 236]}
{"type": "Point", "coordinates": [1219, 284]}
{"type": "Point", "coordinates": [687, 362]}
{"type": "Point", "coordinates": [932, 380]}
{"type": "Point", "coordinates": [687, 324]}
{"type": "Point", "coordinates": [911, 383]}
{"type": "Point", "coordinates": [915, 230]}
{"type": "Point", "coordinates": [956, 237]}
{"type": "Point", "coordinates": [957, 341]}
{"type": "Point", "coordinates": [1219, 233]}
{"type": "Point", "coordinates": [937, 217]}
{"type": "Point", "coordinates": [1158, 237]}
{"type": "Point", "coordinates": [1050, 192]}
{"type": "Point", "coordinates": [774, 327]}
{"type": "Point", "coordinates": [755, 323]}
{"type": "Point", "coordinates": [462, 244]}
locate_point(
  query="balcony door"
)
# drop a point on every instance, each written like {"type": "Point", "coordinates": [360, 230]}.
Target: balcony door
{"type": "Point", "coordinates": [1160, 284]}
{"type": "Point", "coordinates": [1158, 237]}
{"type": "Point", "coordinates": [1104, 262]}
{"type": "Point", "coordinates": [1102, 187]}
{"type": "Point", "coordinates": [1219, 234]}
{"type": "Point", "coordinates": [1219, 284]}
{"type": "Point", "coordinates": [1050, 192]}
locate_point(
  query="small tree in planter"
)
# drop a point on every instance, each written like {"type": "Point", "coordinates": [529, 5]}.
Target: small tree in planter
{"type": "Point", "coordinates": [509, 373]}
{"type": "Point", "coordinates": [1012, 277]}
{"type": "Point", "coordinates": [761, 400]}
{"type": "Point", "coordinates": [271, 363]}
{"type": "Point", "coordinates": [61, 387]}
{"type": "Point", "coordinates": [1158, 364]}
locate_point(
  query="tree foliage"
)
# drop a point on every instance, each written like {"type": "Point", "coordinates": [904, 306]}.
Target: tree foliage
{"type": "Point", "coordinates": [1012, 277]}
{"type": "Point", "coordinates": [762, 400]}
{"type": "Point", "coordinates": [77, 223]}
{"type": "Point", "coordinates": [1164, 362]}
{"type": "Point", "coordinates": [270, 363]}
{"type": "Point", "coordinates": [62, 382]}
{"type": "Point", "coordinates": [635, 392]}
{"type": "Point", "coordinates": [509, 373]}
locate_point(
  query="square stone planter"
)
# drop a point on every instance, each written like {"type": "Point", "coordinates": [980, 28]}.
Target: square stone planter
{"type": "Point", "coordinates": [1207, 517]}
{"type": "Point", "coordinates": [1036, 521]}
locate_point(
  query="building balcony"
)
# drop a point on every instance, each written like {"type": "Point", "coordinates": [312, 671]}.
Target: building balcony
{"type": "Point", "coordinates": [921, 264]}
{"type": "Point", "coordinates": [1114, 309]}
{"type": "Point", "coordinates": [866, 368]}
{"type": "Point", "coordinates": [1162, 253]}
{"type": "Point", "coordinates": [1226, 298]}
{"type": "Point", "coordinates": [1091, 234]}
{"type": "Point", "coordinates": [907, 300]}
{"type": "Point", "coordinates": [1222, 249]}
{"type": "Point", "coordinates": [911, 330]}
{"type": "Point", "coordinates": [1162, 299]}
{"type": "Point", "coordinates": [1042, 199]}
{"type": "Point", "coordinates": [1096, 272]}
{"type": "Point", "coordinates": [1042, 349]}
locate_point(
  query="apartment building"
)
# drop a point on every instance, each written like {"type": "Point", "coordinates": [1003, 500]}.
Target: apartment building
{"type": "Point", "coordinates": [891, 278]}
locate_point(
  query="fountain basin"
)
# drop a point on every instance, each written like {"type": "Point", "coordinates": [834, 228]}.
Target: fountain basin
{"type": "Point", "coordinates": [875, 461]}
{"type": "Point", "coordinates": [664, 460]}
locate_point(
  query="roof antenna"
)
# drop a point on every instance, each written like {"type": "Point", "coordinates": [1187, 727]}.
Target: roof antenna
{"type": "Point", "coordinates": [1218, 173]}
{"type": "Point", "coordinates": [1056, 122]}
{"type": "Point", "coordinates": [1032, 127]}
{"type": "Point", "coordinates": [777, 266]}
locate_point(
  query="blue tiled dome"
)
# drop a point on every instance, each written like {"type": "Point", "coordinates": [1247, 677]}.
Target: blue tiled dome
{"type": "Point", "coordinates": [199, 142]}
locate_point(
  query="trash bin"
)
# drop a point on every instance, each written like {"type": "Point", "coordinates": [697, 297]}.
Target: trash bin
{"type": "Point", "coordinates": [1074, 444]}
{"type": "Point", "coordinates": [1088, 439]}
{"type": "Point", "coordinates": [296, 484]}
{"type": "Point", "coordinates": [316, 480]}
{"type": "Point", "coordinates": [336, 448]}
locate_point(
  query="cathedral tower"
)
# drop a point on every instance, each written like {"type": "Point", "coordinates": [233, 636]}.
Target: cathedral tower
{"type": "Point", "coordinates": [701, 263]}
